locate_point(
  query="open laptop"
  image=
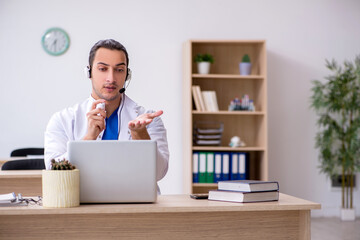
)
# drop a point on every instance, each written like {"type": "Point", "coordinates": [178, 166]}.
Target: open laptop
{"type": "Point", "coordinates": [114, 171]}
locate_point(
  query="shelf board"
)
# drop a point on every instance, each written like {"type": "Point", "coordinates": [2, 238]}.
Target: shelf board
{"type": "Point", "coordinates": [227, 41]}
{"type": "Point", "coordinates": [227, 76]}
{"type": "Point", "coordinates": [205, 184]}
{"type": "Point", "coordinates": [223, 148]}
{"type": "Point", "coordinates": [229, 112]}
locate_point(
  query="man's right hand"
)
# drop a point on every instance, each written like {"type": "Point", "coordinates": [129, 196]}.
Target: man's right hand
{"type": "Point", "coordinates": [96, 121]}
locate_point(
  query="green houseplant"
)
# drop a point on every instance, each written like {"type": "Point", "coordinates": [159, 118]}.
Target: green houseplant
{"type": "Point", "coordinates": [337, 104]}
{"type": "Point", "coordinates": [203, 62]}
{"type": "Point", "coordinates": [61, 185]}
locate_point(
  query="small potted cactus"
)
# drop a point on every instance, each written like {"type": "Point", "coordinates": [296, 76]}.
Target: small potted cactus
{"type": "Point", "coordinates": [245, 65]}
{"type": "Point", "coordinates": [61, 185]}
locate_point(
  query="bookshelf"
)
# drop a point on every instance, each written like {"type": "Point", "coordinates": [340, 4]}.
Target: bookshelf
{"type": "Point", "coordinates": [224, 78]}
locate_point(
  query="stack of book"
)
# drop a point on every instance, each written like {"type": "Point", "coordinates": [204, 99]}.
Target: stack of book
{"type": "Point", "coordinates": [245, 191]}
{"type": "Point", "coordinates": [204, 100]}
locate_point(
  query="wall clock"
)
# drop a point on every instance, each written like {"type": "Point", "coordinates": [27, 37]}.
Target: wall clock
{"type": "Point", "coordinates": [55, 41]}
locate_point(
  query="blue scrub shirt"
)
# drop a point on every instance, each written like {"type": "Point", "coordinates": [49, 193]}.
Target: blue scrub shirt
{"type": "Point", "coordinates": [112, 127]}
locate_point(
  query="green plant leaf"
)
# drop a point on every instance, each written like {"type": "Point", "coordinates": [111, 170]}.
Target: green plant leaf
{"type": "Point", "coordinates": [246, 59]}
{"type": "Point", "coordinates": [204, 58]}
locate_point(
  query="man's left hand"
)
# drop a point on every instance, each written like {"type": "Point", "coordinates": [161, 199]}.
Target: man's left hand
{"type": "Point", "coordinates": [138, 125]}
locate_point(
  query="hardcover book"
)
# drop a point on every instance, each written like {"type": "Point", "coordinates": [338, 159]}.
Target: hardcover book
{"type": "Point", "coordinates": [243, 197]}
{"type": "Point", "coordinates": [248, 185]}
{"type": "Point", "coordinates": [196, 98]}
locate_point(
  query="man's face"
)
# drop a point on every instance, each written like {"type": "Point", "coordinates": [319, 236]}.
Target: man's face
{"type": "Point", "coordinates": [108, 74]}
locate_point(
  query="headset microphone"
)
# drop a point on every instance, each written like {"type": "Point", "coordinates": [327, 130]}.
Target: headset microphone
{"type": "Point", "coordinates": [128, 78]}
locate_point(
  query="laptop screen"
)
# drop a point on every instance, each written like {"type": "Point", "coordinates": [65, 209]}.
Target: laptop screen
{"type": "Point", "coordinates": [115, 171]}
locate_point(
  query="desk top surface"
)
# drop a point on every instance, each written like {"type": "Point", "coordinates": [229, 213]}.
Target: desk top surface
{"type": "Point", "coordinates": [168, 204]}
{"type": "Point", "coordinates": [21, 174]}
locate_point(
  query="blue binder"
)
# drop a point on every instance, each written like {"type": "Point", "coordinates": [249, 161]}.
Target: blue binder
{"type": "Point", "coordinates": [225, 166]}
{"type": "Point", "coordinates": [218, 166]}
{"type": "Point", "coordinates": [243, 172]}
{"type": "Point", "coordinates": [234, 166]}
{"type": "Point", "coordinates": [195, 167]}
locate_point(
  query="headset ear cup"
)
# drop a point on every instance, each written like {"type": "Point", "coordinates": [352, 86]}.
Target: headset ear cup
{"type": "Point", "coordinates": [128, 75]}
{"type": "Point", "coordinates": [87, 71]}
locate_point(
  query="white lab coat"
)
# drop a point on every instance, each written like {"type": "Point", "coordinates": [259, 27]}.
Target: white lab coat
{"type": "Point", "coordinates": [71, 124]}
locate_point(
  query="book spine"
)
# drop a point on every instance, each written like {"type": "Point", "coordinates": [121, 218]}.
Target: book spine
{"type": "Point", "coordinates": [195, 167]}
{"type": "Point", "coordinates": [210, 100]}
{"type": "Point", "coordinates": [207, 100]}
{"type": "Point", "coordinates": [214, 101]}
{"type": "Point", "coordinates": [201, 99]}
{"type": "Point", "coordinates": [196, 98]}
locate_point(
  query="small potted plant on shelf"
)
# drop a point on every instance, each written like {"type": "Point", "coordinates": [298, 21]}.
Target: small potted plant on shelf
{"type": "Point", "coordinates": [245, 65]}
{"type": "Point", "coordinates": [61, 185]}
{"type": "Point", "coordinates": [336, 101]}
{"type": "Point", "coordinates": [203, 62]}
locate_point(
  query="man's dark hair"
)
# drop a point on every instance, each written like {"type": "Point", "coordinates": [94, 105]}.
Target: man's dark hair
{"type": "Point", "coordinates": [108, 44]}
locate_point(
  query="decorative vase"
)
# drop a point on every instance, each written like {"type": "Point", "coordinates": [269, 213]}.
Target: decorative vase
{"type": "Point", "coordinates": [61, 188]}
{"type": "Point", "coordinates": [348, 214]}
{"type": "Point", "coordinates": [245, 68]}
{"type": "Point", "coordinates": [203, 67]}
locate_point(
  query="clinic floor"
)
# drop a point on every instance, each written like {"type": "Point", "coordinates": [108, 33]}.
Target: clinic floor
{"type": "Point", "coordinates": [334, 229]}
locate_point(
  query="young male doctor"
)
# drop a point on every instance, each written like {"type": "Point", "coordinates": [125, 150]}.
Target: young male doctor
{"type": "Point", "coordinates": [121, 119]}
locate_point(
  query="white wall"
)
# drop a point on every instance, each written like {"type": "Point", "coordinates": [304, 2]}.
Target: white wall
{"type": "Point", "coordinates": [300, 36]}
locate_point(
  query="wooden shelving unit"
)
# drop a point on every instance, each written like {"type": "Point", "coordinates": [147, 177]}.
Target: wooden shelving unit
{"type": "Point", "coordinates": [225, 79]}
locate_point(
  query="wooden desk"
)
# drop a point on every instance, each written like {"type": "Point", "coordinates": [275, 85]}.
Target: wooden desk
{"type": "Point", "coordinates": [172, 217]}
{"type": "Point", "coordinates": [26, 182]}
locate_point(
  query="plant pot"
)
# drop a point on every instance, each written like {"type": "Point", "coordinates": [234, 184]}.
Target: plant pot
{"type": "Point", "coordinates": [348, 214]}
{"type": "Point", "coordinates": [61, 188]}
{"type": "Point", "coordinates": [203, 67]}
{"type": "Point", "coordinates": [245, 68]}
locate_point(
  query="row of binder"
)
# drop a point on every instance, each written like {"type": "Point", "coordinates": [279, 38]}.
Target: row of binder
{"type": "Point", "coordinates": [211, 167]}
